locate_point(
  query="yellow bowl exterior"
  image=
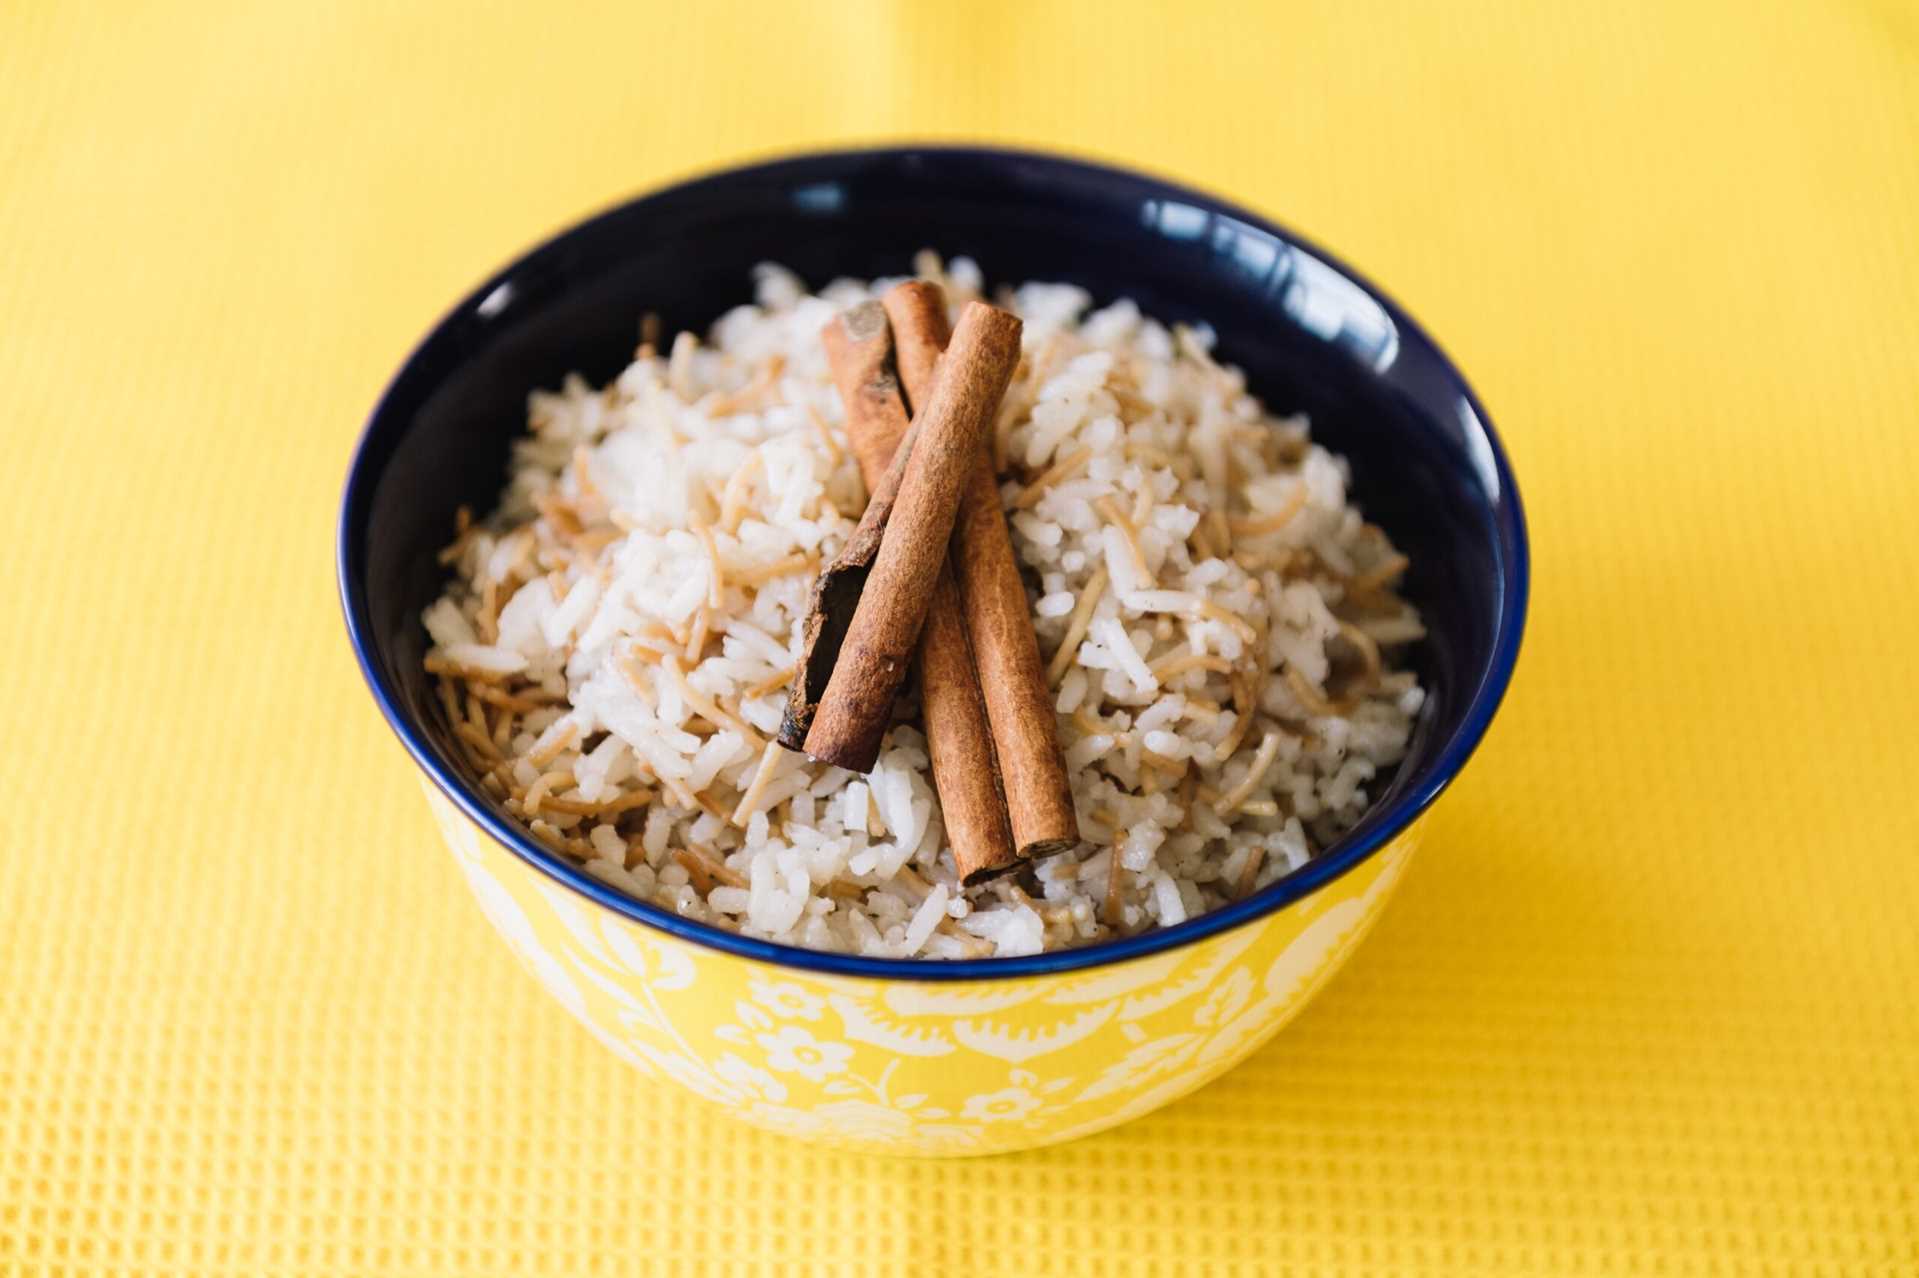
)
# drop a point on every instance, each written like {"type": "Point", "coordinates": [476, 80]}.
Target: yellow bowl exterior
{"type": "Point", "coordinates": [922, 1067]}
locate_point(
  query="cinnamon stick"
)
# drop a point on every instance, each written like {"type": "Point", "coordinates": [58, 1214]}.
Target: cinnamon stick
{"type": "Point", "coordinates": [1019, 704]}
{"type": "Point", "coordinates": [964, 770]}
{"type": "Point", "coordinates": [859, 349]}
{"type": "Point", "coordinates": [950, 433]}
{"type": "Point", "coordinates": [959, 741]}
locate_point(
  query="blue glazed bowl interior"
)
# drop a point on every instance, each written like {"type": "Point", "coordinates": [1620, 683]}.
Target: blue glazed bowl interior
{"type": "Point", "coordinates": [1311, 336]}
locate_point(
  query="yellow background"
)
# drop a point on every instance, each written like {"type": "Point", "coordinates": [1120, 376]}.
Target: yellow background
{"type": "Point", "coordinates": [1647, 1003]}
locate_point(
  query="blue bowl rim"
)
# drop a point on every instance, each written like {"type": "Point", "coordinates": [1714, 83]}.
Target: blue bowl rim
{"type": "Point", "coordinates": [1376, 831]}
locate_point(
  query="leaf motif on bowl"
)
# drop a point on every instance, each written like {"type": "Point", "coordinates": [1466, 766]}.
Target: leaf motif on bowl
{"type": "Point", "coordinates": [1025, 1043]}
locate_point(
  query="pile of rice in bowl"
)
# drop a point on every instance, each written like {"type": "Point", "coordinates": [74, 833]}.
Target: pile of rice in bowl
{"type": "Point", "coordinates": [614, 648]}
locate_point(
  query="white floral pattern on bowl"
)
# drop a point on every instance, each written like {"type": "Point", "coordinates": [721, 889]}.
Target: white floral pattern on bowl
{"type": "Point", "coordinates": [922, 1067]}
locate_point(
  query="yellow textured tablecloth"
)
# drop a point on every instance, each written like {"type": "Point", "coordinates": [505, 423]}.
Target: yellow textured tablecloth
{"type": "Point", "coordinates": [1647, 1004]}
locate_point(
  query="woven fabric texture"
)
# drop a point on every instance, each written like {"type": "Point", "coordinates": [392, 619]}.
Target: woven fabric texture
{"type": "Point", "coordinates": [1648, 1004]}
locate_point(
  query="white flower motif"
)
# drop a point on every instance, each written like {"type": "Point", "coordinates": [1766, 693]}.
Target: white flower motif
{"type": "Point", "coordinates": [993, 1107]}
{"type": "Point", "coordinates": [794, 1051]}
{"type": "Point", "coordinates": [792, 1054]}
{"type": "Point", "coordinates": [784, 998]}
{"type": "Point", "coordinates": [749, 1078]}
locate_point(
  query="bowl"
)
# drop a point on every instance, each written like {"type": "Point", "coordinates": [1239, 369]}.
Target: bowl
{"type": "Point", "coordinates": [932, 1057]}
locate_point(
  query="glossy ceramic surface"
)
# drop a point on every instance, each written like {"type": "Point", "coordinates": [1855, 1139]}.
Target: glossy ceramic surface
{"type": "Point", "coordinates": [918, 1066]}
{"type": "Point", "coordinates": [896, 1054]}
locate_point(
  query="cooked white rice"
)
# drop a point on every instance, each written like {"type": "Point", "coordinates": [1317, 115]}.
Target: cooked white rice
{"type": "Point", "coordinates": [617, 638]}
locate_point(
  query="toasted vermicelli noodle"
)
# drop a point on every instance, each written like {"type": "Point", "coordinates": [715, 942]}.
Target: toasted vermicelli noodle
{"type": "Point", "coordinates": [1218, 626]}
